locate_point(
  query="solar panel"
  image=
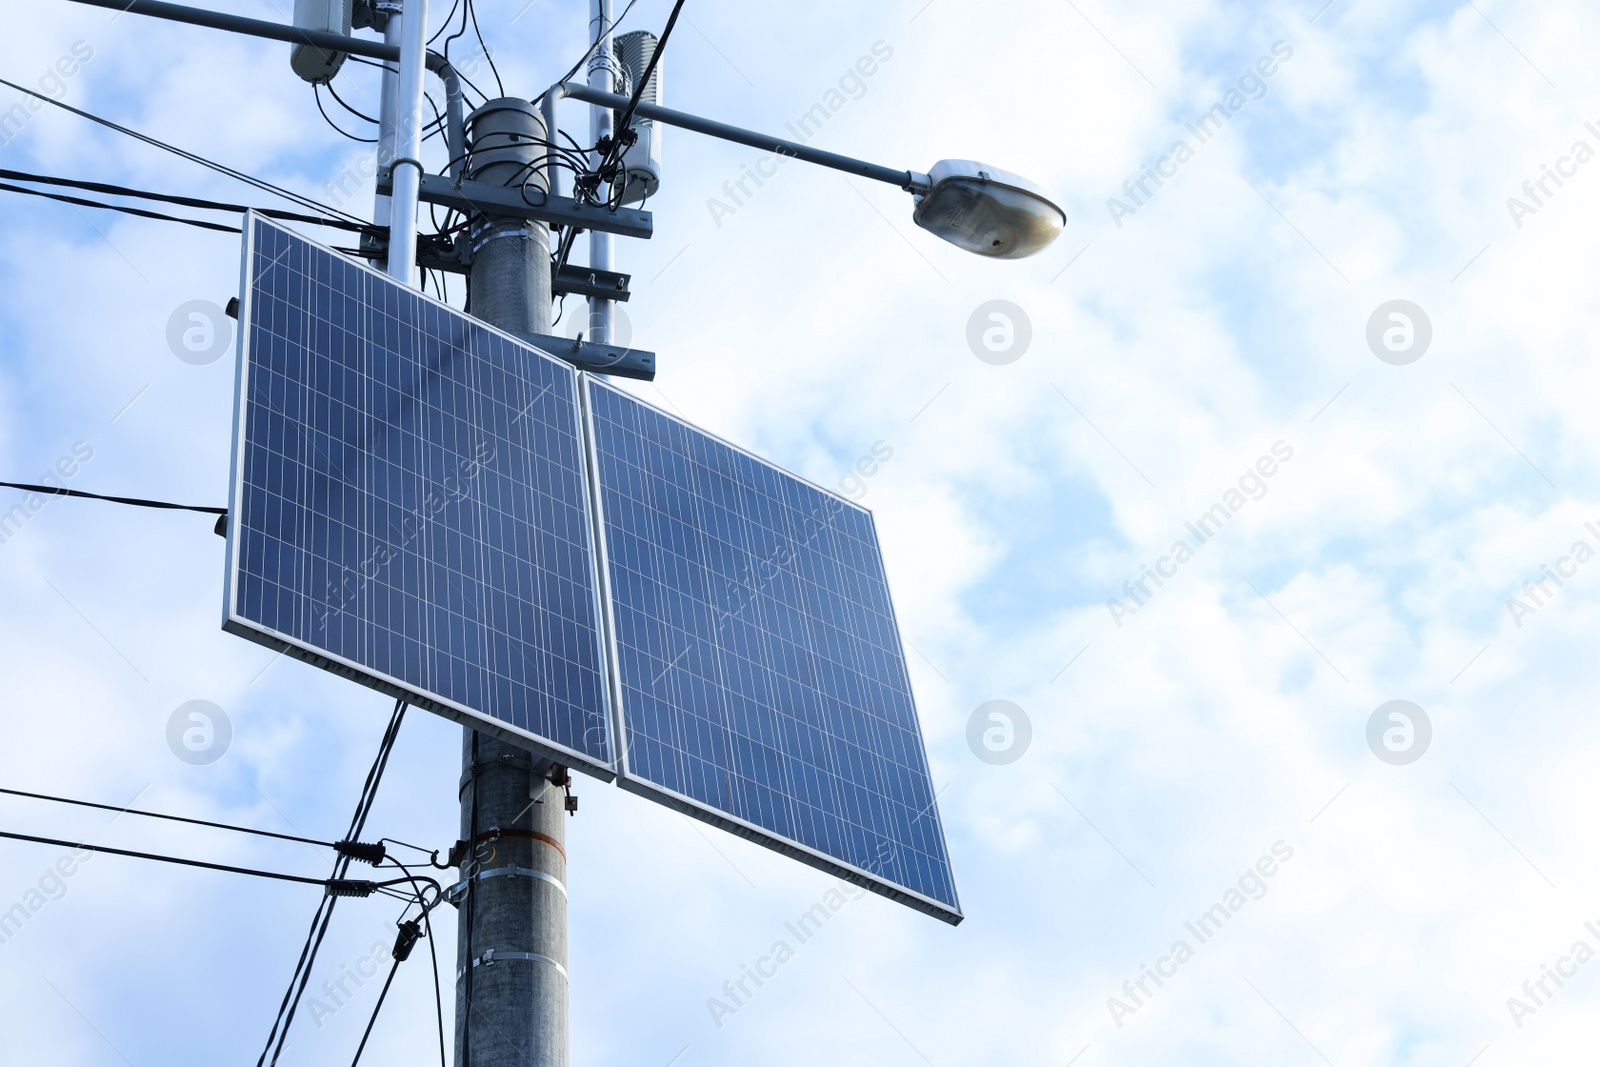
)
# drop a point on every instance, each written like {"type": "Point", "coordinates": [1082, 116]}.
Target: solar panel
{"type": "Point", "coordinates": [757, 667]}
{"type": "Point", "coordinates": [409, 504]}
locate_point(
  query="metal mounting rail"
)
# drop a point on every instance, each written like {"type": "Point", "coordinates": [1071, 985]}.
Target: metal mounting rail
{"type": "Point", "coordinates": [486, 199]}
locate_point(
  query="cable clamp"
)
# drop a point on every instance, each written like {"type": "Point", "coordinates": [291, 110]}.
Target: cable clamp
{"type": "Point", "coordinates": [490, 957]}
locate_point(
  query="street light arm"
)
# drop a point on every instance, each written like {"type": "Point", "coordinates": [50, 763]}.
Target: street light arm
{"type": "Point", "coordinates": [276, 31]}
{"type": "Point", "coordinates": [330, 42]}
{"type": "Point", "coordinates": [911, 181]}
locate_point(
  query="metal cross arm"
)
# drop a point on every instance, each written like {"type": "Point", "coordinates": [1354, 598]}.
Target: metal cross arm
{"type": "Point", "coordinates": [529, 203]}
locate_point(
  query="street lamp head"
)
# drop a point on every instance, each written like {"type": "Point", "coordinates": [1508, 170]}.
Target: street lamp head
{"type": "Point", "coordinates": [984, 210]}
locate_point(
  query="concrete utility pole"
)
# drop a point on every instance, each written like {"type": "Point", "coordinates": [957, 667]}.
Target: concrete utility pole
{"type": "Point", "coordinates": [511, 984]}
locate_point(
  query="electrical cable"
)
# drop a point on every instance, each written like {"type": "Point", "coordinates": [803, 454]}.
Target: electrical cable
{"type": "Point", "coordinates": [124, 209]}
{"type": "Point", "coordinates": [622, 134]}
{"type": "Point", "coordinates": [427, 909]}
{"type": "Point", "coordinates": [336, 887]}
{"type": "Point", "coordinates": [473, 11]}
{"type": "Point", "coordinates": [179, 818]}
{"type": "Point", "coordinates": [279, 1034]}
{"type": "Point", "coordinates": [182, 201]}
{"type": "Point", "coordinates": [468, 910]}
{"type": "Point", "coordinates": [132, 501]}
{"type": "Point", "coordinates": [340, 100]}
{"type": "Point", "coordinates": [259, 183]}
{"type": "Point", "coordinates": [650, 67]}
{"type": "Point", "coordinates": [316, 91]}
{"type": "Point", "coordinates": [615, 23]}
{"type": "Point", "coordinates": [445, 22]}
{"type": "Point", "coordinates": [383, 993]}
{"type": "Point", "coordinates": [410, 931]}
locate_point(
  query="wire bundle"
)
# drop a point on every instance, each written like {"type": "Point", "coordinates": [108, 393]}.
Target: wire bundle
{"type": "Point", "coordinates": [279, 1033]}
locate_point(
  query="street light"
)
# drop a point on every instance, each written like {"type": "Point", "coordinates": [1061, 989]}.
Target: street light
{"type": "Point", "coordinates": [973, 206]}
{"type": "Point", "coordinates": [984, 210]}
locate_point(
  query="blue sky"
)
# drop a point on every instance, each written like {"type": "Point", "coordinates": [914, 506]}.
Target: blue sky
{"type": "Point", "coordinates": [1169, 754]}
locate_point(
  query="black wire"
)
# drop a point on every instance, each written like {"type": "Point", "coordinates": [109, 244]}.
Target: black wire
{"type": "Point", "coordinates": [473, 11]}
{"type": "Point", "coordinates": [357, 823]}
{"type": "Point", "coordinates": [650, 67]}
{"type": "Point", "coordinates": [607, 168]}
{"type": "Point", "coordinates": [169, 818]}
{"type": "Point", "coordinates": [445, 22]}
{"type": "Point", "coordinates": [326, 883]}
{"type": "Point", "coordinates": [316, 91]}
{"type": "Point", "coordinates": [567, 240]}
{"type": "Point", "coordinates": [324, 913]}
{"type": "Point", "coordinates": [264, 186]}
{"type": "Point", "coordinates": [615, 23]}
{"type": "Point", "coordinates": [375, 1009]}
{"type": "Point", "coordinates": [140, 212]}
{"type": "Point", "coordinates": [470, 907]}
{"type": "Point", "coordinates": [340, 100]}
{"type": "Point", "coordinates": [182, 201]}
{"type": "Point", "coordinates": [461, 31]}
{"type": "Point", "coordinates": [427, 923]}
{"type": "Point", "coordinates": [133, 501]}
{"type": "Point", "coordinates": [438, 993]}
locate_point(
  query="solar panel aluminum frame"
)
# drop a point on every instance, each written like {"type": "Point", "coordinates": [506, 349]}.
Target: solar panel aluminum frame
{"type": "Point", "coordinates": [284, 644]}
{"type": "Point", "coordinates": [688, 805]}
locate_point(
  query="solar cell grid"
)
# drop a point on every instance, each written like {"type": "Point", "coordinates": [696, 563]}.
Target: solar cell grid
{"type": "Point", "coordinates": [756, 661]}
{"type": "Point", "coordinates": [410, 506]}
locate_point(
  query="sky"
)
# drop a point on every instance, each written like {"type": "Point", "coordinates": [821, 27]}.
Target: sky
{"type": "Point", "coordinates": [1340, 351]}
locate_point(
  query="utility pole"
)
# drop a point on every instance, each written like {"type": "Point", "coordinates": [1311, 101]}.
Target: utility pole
{"type": "Point", "coordinates": [511, 946]}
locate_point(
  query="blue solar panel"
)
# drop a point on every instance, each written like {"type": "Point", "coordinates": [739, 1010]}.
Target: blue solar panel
{"type": "Point", "coordinates": [410, 506]}
{"type": "Point", "coordinates": [757, 665]}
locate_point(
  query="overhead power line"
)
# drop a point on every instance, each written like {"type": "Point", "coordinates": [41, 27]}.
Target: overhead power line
{"type": "Point", "coordinates": [238, 175]}
{"type": "Point", "coordinates": [279, 1034]}
{"type": "Point", "coordinates": [336, 887]}
{"type": "Point", "coordinates": [367, 853]}
{"type": "Point", "coordinates": [168, 198]}
{"type": "Point", "coordinates": [52, 490]}
{"type": "Point", "coordinates": [140, 212]}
